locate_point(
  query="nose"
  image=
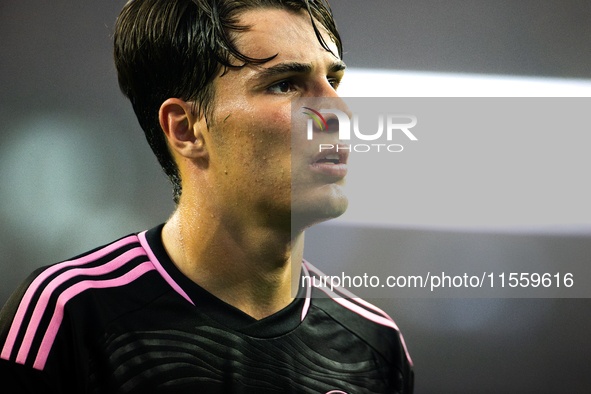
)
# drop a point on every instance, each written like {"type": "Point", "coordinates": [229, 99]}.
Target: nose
{"type": "Point", "coordinates": [322, 110]}
{"type": "Point", "coordinates": [328, 98]}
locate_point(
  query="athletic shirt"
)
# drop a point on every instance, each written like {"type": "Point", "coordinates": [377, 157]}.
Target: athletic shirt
{"type": "Point", "coordinates": [123, 319]}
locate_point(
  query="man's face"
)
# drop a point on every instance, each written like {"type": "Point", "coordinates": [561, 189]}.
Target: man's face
{"type": "Point", "coordinates": [249, 138]}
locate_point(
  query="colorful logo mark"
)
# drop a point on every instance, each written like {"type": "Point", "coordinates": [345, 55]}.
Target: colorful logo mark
{"type": "Point", "coordinates": [315, 116]}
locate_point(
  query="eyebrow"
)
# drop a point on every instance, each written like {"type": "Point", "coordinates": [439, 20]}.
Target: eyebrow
{"type": "Point", "coordinates": [297, 68]}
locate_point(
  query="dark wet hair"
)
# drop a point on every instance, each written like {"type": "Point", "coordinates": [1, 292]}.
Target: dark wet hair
{"type": "Point", "coordinates": [175, 48]}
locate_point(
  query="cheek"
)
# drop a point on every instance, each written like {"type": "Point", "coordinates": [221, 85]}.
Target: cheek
{"type": "Point", "coordinates": [257, 141]}
{"type": "Point", "coordinates": [269, 133]}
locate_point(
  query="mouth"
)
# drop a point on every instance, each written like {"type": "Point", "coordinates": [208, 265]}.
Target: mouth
{"type": "Point", "coordinates": [331, 162]}
{"type": "Point", "coordinates": [337, 154]}
{"type": "Point", "coordinates": [333, 158]}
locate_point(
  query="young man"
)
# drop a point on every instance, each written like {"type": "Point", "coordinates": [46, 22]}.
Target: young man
{"type": "Point", "coordinates": [203, 303]}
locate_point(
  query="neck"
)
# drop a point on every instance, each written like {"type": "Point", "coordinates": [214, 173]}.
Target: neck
{"type": "Point", "coordinates": [249, 266]}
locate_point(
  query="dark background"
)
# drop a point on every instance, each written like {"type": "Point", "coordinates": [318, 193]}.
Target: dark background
{"type": "Point", "coordinates": [75, 171]}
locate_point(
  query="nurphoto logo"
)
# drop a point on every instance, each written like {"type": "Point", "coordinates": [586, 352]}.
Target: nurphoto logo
{"type": "Point", "coordinates": [392, 123]}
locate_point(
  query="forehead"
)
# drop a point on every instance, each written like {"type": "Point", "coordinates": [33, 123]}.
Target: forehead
{"type": "Point", "coordinates": [285, 33]}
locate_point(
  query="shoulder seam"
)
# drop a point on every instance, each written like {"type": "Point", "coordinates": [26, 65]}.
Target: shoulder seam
{"type": "Point", "coordinates": [350, 301]}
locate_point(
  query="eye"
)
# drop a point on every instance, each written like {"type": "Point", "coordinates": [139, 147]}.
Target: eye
{"type": "Point", "coordinates": [334, 82]}
{"type": "Point", "coordinates": [282, 87]}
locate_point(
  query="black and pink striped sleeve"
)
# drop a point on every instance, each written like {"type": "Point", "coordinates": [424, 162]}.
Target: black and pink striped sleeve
{"type": "Point", "coordinates": [46, 327]}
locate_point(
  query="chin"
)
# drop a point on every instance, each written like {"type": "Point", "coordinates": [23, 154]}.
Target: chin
{"type": "Point", "coordinates": [306, 212]}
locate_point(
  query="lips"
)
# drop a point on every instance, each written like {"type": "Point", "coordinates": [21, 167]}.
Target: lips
{"type": "Point", "coordinates": [331, 162]}
{"type": "Point", "coordinates": [333, 158]}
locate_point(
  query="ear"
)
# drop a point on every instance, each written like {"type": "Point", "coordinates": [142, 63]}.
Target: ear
{"type": "Point", "coordinates": [182, 128]}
